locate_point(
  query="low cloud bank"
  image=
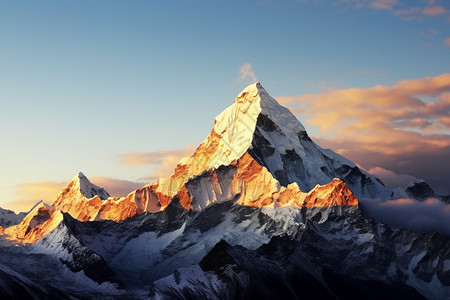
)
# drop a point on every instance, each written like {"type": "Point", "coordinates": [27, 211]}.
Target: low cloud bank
{"type": "Point", "coordinates": [429, 216]}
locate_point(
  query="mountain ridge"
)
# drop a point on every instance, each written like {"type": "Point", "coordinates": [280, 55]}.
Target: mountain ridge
{"type": "Point", "coordinates": [259, 210]}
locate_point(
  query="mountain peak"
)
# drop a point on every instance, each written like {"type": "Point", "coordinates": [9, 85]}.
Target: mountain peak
{"type": "Point", "coordinates": [80, 197]}
{"type": "Point", "coordinates": [420, 190]}
{"type": "Point", "coordinates": [81, 186]}
{"type": "Point", "coordinates": [258, 125]}
{"type": "Point", "coordinates": [252, 89]}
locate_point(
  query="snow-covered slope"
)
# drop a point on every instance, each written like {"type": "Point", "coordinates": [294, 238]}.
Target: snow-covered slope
{"type": "Point", "coordinates": [64, 245]}
{"type": "Point", "coordinates": [14, 285]}
{"type": "Point", "coordinates": [179, 252]}
{"type": "Point", "coordinates": [323, 253]}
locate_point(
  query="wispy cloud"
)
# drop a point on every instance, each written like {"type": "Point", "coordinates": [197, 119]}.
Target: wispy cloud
{"type": "Point", "coordinates": [417, 13]}
{"type": "Point", "coordinates": [434, 10]}
{"type": "Point", "coordinates": [409, 14]}
{"type": "Point", "coordinates": [19, 205]}
{"type": "Point", "coordinates": [165, 161]}
{"type": "Point", "coordinates": [447, 42]}
{"type": "Point", "coordinates": [246, 73]}
{"type": "Point", "coordinates": [35, 191]}
{"type": "Point", "coordinates": [429, 33]}
{"type": "Point", "coordinates": [390, 178]}
{"type": "Point", "coordinates": [401, 126]}
{"type": "Point", "coordinates": [138, 158]}
{"type": "Point", "coordinates": [373, 4]}
{"type": "Point", "coordinates": [405, 10]}
{"type": "Point", "coordinates": [117, 187]}
{"type": "Point", "coordinates": [383, 4]}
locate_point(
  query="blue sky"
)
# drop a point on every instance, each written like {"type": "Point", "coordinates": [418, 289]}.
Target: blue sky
{"type": "Point", "coordinates": [83, 83]}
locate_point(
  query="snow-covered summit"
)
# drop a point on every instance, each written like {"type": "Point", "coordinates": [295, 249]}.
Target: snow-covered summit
{"type": "Point", "coordinates": [415, 182]}
{"type": "Point", "coordinates": [80, 198]}
{"type": "Point", "coordinates": [280, 143]}
{"type": "Point", "coordinates": [236, 125]}
{"type": "Point", "coordinates": [82, 184]}
{"type": "Point", "coordinates": [258, 125]}
{"type": "Point", "coordinates": [419, 189]}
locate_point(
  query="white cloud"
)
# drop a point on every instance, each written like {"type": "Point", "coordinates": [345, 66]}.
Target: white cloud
{"type": "Point", "coordinates": [246, 72]}
{"type": "Point", "coordinates": [431, 215]}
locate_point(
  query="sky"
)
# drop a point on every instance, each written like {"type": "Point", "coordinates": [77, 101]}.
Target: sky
{"type": "Point", "coordinates": [121, 90]}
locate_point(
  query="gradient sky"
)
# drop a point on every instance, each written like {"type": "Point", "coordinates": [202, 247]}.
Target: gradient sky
{"type": "Point", "coordinates": [121, 89]}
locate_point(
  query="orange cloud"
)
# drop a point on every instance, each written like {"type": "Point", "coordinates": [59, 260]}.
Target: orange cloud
{"type": "Point", "coordinates": [407, 118]}
{"type": "Point", "coordinates": [434, 11]}
{"type": "Point", "coordinates": [116, 187]}
{"type": "Point", "coordinates": [31, 193]}
{"type": "Point", "coordinates": [36, 191]}
{"type": "Point", "coordinates": [148, 158]}
{"type": "Point", "coordinates": [447, 42]}
{"type": "Point", "coordinates": [19, 206]}
{"type": "Point", "coordinates": [407, 11]}
{"type": "Point", "coordinates": [383, 4]}
{"type": "Point", "coordinates": [164, 160]}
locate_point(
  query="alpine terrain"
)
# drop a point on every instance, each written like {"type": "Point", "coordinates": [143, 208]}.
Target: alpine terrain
{"type": "Point", "coordinates": [259, 211]}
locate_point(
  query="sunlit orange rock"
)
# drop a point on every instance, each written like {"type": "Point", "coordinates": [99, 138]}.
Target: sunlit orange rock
{"type": "Point", "coordinates": [336, 193]}
{"type": "Point", "coordinates": [80, 198]}
{"type": "Point", "coordinates": [249, 184]}
{"type": "Point", "coordinates": [145, 199]}
{"type": "Point", "coordinates": [37, 224]}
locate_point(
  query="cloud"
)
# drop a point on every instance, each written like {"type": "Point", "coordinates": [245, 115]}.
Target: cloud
{"type": "Point", "coordinates": [407, 12]}
{"type": "Point", "coordinates": [246, 72]}
{"type": "Point", "coordinates": [383, 4]}
{"type": "Point", "coordinates": [391, 179]}
{"type": "Point", "coordinates": [434, 11]}
{"type": "Point", "coordinates": [447, 42]}
{"type": "Point", "coordinates": [431, 215]}
{"type": "Point", "coordinates": [373, 4]}
{"type": "Point", "coordinates": [429, 33]}
{"type": "Point", "coordinates": [397, 127]}
{"type": "Point", "coordinates": [35, 191]}
{"type": "Point", "coordinates": [417, 13]}
{"type": "Point", "coordinates": [116, 187]}
{"type": "Point", "coordinates": [150, 158]}
{"type": "Point", "coordinates": [19, 206]}
{"type": "Point", "coordinates": [164, 160]}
